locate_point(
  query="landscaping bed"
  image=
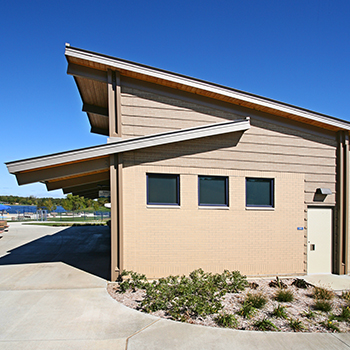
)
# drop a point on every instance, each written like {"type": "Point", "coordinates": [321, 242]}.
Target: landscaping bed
{"type": "Point", "coordinates": [230, 300]}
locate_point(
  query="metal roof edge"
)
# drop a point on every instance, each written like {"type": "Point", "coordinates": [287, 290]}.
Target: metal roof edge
{"type": "Point", "coordinates": [127, 145]}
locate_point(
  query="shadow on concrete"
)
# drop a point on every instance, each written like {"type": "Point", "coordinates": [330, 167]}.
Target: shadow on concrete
{"type": "Point", "coordinates": [84, 247]}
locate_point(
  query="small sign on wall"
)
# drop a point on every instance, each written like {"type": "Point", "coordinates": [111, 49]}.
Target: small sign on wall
{"type": "Point", "coordinates": [104, 194]}
{"type": "Point", "coordinates": [300, 228]}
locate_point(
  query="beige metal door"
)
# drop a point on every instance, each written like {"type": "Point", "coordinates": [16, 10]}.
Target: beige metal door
{"type": "Point", "coordinates": [319, 245]}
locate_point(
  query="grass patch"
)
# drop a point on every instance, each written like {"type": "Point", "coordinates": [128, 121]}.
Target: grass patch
{"type": "Point", "coordinates": [265, 325]}
{"type": "Point", "coordinates": [284, 296]}
{"type": "Point", "coordinates": [296, 325]}
{"type": "Point", "coordinates": [226, 320]}
{"type": "Point", "coordinates": [280, 312]}
{"type": "Point", "coordinates": [322, 293]}
{"type": "Point", "coordinates": [78, 218]}
{"type": "Point", "coordinates": [344, 316]}
{"type": "Point", "coordinates": [247, 310]}
{"type": "Point", "coordinates": [309, 314]}
{"type": "Point", "coordinates": [64, 224]}
{"type": "Point", "coordinates": [258, 301]}
{"type": "Point", "coordinates": [323, 305]}
{"type": "Point", "coordinates": [346, 295]}
{"type": "Point", "coordinates": [331, 325]}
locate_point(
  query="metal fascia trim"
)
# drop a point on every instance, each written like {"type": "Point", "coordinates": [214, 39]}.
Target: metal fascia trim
{"type": "Point", "coordinates": [129, 145]}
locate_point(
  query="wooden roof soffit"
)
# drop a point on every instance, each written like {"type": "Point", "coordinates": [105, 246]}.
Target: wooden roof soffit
{"type": "Point", "coordinates": [72, 181]}
{"type": "Point", "coordinates": [92, 65]}
{"type": "Point", "coordinates": [61, 171]}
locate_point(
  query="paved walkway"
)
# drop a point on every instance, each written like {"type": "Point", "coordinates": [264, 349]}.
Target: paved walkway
{"type": "Point", "coordinates": [53, 296]}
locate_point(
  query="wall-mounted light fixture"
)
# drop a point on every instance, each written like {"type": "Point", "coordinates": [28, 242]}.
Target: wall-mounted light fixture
{"type": "Point", "coordinates": [324, 191]}
{"type": "Point", "coordinates": [321, 194]}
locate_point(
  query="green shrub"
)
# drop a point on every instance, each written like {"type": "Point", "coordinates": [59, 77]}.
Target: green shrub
{"type": "Point", "coordinates": [280, 312]}
{"type": "Point", "coordinates": [296, 325]}
{"type": "Point", "coordinates": [258, 300]}
{"type": "Point", "coordinates": [265, 325]}
{"type": "Point", "coordinates": [253, 285]}
{"type": "Point", "coordinates": [136, 281]}
{"type": "Point", "coordinates": [277, 283]}
{"type": "Point", "coordinates": [247, 310]}
{"type": "Point", "coordinates": [199, 294]}
{"type": "Point", "coordinates": [231, 281]}
{"type": "Point", "coordinates": [284, 296]}
{"type": "Point", "coordinates": [322, 293]}
{"type": "Point", "coordinates": [323, 305]}
{"type": "Point", "coordinates": [300, 283]}
{"type": "Point", "coordinates": [226, 320]}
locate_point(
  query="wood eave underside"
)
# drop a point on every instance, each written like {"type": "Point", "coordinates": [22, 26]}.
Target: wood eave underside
{"type": "Point", "coordinates": [90, 178]}
{"type": "Point", "coordinates": [85, 187]}
{"type": "Point", "coordinates": [76, 180]}
{"type": "Point", "coordinates": [94, 93]}
{"type": "Point", "coordinates": [194, 90]}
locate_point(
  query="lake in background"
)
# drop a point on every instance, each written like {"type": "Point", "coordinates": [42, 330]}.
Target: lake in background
{"type": "Point", "coordinates": [21, 209]}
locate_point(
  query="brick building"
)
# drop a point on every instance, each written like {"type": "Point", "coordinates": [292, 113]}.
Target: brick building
{"type": "Point", "coordinates": [202, 175]}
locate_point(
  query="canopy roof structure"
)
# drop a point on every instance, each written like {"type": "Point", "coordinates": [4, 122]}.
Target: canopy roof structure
{"type": "Point", "coordinates": [86, 171]}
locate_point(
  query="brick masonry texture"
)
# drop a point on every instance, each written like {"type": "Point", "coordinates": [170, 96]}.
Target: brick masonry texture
{"type": "Point", "coordinates": [163, 241]}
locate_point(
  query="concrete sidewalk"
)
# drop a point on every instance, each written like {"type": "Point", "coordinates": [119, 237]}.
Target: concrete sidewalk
{"type": "Point", "coordinates": [53, 296]}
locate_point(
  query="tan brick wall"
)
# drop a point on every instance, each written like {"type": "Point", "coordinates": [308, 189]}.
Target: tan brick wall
{"type": "Point", "coordinates": [272, 146]}
{"type": "Point", "coordinates": [163, 241]}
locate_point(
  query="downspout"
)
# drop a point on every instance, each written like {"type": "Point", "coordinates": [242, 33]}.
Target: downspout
{"type": "Point", "coordinates": [340, 197]}
{"type": "Point", "coordinates": [115, 254]}
{"type": "Point", "coordinates": [346, 202]}
{"type": "Point", "coordinates": [120, 214]}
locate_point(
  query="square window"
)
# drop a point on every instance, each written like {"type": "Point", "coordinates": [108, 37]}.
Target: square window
{"type": "Point", "coordinates": [259, 192]}
{"type": "Point", "coordinates": [163, 189]}
{"type": "Point", "coordinates": [213, 190]}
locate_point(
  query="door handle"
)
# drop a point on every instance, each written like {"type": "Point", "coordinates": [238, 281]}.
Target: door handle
{"type": "Point", "coordinates": [312, 246]}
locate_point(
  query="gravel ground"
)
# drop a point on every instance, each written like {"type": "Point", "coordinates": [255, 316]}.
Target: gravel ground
{"type": "Point", "coordinates": [303, 303]}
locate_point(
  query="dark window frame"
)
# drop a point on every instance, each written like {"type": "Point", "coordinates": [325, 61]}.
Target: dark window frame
{"type": "Point", "coordinates": [177, 176]}
{"type": "Point", "coordinates": [272, 193]}
{"type": "Point", "coordinates": [226, 192]}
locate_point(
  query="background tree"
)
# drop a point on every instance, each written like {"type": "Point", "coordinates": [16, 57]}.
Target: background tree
{"type": "Point", "coordinates": [50, 206]}
{"type": "Point", "coordinates": [67, 203]}
{"type": "Point", "coordinates": [73, 203]}
{"type": "Point", "coordinates": [95, 205]}
{"type": "Point", "coordinates": [40, 203]}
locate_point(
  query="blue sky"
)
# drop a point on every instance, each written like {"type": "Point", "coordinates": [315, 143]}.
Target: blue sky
{"type": "Point", "coordinates": [294, 51]}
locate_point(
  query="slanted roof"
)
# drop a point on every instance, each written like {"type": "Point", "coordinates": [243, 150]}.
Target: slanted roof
{"type": "Point", "coordinates": [90, 72]}
{"type": "Point", "coordinates": [84, 171]}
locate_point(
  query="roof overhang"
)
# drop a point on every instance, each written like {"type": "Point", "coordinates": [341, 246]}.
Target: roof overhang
{"type": "Point", "coordinates": [85, 171]}
{"type": "Point", "coordinates": [91, 68]}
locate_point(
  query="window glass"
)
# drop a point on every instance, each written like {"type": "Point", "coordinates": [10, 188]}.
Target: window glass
{"type": "Point", "coordinates": [259, 192]}
{"type": "Point", "coordinates": [163, 189]}
{"type": "Point", "coordinates": [213, 190]}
